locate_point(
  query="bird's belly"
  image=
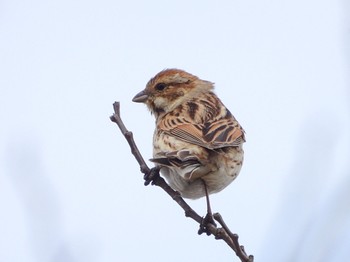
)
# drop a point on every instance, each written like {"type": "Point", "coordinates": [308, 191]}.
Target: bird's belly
{"type": "Point", "coordinates": [228, 169]}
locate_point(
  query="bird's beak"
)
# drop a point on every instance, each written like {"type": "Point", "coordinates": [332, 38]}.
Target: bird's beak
{"type": "Point", "coordinates": [140, 97]}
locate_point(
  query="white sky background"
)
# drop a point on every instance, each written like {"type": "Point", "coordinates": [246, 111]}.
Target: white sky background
{"type": "Point", "coordinates": [71, 191]}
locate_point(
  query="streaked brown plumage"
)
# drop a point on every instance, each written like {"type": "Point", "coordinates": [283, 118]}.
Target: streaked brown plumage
{"type": "Point", "coordinates": [196, 138]}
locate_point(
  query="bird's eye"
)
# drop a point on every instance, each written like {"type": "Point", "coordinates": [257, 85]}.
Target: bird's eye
{"type": "Point", "coordinates": [160, 86]}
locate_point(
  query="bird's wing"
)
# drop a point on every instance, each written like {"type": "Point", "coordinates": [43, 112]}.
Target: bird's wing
{"type": "Point", "coordinates": [216, 132]}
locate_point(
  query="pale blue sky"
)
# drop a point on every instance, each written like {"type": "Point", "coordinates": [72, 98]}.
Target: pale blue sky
{"type": "Point", "coordinates": [71, 191]}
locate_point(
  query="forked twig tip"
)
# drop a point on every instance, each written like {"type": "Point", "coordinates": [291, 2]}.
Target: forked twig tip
{"type": "Point", "coordinates": [116, 107]}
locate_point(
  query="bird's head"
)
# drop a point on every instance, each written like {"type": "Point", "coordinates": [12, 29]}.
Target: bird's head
{"type": "Point", "coordinates": [171, 88]}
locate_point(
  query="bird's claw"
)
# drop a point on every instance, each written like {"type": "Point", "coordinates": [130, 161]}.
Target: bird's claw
{"type": "Point", "coordinates": [203, 227]}
{"type": "Point", "coordinates": [151, 176]}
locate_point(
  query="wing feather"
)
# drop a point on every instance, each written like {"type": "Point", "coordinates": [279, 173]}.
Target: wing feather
{"type": "Point", "coordinates": [211, 126]}
{"type": "Point", "coordinates": [189, 133]}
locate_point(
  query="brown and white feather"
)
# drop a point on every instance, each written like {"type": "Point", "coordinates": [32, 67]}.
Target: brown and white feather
{"type": "Point", "coordinates": [196, 136]}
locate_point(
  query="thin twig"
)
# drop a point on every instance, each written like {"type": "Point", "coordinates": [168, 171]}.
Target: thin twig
{"type": "Point", "coordinates": [240, 252]}
{"type": "Point", "coordinates": [152, 176]}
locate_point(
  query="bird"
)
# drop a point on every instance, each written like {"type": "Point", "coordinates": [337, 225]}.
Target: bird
{"type": "Point", "coordinates": [197, 142]}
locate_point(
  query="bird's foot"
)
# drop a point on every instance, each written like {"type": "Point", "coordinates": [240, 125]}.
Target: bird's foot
{"type": "Point", "coordinates": [151, 176]}
{"type": "Point", "coordinates": [203, 227]}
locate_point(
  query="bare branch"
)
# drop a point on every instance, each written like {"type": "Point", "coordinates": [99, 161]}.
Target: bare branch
{"type": "Point", "coordinates": [129, 137]}
{"type": "Point", "coordinates": [152, 176]}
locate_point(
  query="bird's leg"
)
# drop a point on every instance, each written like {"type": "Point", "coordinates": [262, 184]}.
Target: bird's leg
{"type": "Point", "coordinates": [208, 219]}
{"type": "Point", "coordinates": [152, 175]}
